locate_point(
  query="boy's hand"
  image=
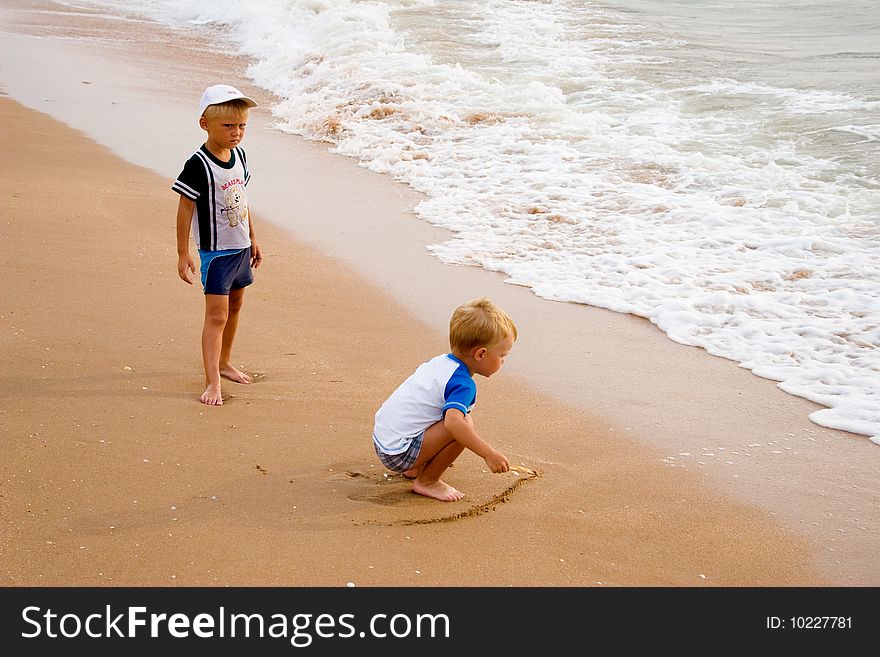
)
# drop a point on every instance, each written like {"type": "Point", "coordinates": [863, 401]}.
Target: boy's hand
{"type": "Point", "coordinates": [497, 462]}
{"type": "Point", "coordinates": [185, 265]}
{"type": "Point", "coordinates": [256, 255]}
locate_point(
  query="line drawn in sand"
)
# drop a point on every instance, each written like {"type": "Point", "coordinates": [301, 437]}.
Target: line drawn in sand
{"type": "Point", "coordinates": [526, 475]}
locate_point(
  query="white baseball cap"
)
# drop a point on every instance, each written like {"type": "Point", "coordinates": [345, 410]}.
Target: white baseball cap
{"type": "Point", "coordinates": [221, 93]}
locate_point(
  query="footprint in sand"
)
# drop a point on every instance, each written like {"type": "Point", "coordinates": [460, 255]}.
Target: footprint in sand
{"type": "Point", "coordinates": [369, 485]}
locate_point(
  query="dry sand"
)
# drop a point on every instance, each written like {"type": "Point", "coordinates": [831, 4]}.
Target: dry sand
{"type": "Point", "coordinates": [115, 474]}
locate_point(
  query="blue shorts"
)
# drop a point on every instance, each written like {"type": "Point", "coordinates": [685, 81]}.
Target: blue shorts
{"type": "Point", "coordinates": [403, 461]}
{"type": "Point", "coordinates": [226, 270]}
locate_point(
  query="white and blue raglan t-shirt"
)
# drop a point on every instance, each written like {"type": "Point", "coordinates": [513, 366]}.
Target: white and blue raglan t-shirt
{"type": "Point", "coordinates": [442, 383]}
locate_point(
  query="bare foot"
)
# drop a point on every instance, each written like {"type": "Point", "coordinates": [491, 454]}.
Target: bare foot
{"type": "Point", "coordinates": [212, 396]}
{"type": "Point", "coordinates": [439, 490]}
{"type": "Point", "coordinates": [233, 374]}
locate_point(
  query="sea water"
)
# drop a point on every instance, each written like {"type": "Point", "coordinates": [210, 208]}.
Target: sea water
{"type": "Point", "coordinates": [709, 165]}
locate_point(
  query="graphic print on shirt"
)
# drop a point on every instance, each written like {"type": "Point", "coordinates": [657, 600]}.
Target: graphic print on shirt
{"type": "Point", "coordinates": [236, 207]}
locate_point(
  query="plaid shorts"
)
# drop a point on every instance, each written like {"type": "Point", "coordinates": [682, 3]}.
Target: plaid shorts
{"type": "Point", "coordinates": [403, 461]}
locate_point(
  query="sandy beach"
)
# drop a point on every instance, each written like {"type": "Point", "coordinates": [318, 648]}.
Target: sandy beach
{"type": "Point", "coordinates": [115, 475]}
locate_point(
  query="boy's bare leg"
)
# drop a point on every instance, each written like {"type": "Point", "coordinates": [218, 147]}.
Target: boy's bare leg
{"type": "Point", "coordinates": [216, 314]}
{"type": "Point", "coordinates": [439, 450]}
{"type": "Point", "coordinates": [428, 482]}
{"type": "Point", "coordinates": [414, 471]}
{"type": "Point", "coordinates": [236, 298]}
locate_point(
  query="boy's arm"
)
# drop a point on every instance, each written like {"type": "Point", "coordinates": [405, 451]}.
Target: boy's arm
{"type": "Point", "coordinates": [256, 254]}
{"type": "Point", "coordinates": [185, 263]}
{"type": "Point", "coordinates": [463, 432]}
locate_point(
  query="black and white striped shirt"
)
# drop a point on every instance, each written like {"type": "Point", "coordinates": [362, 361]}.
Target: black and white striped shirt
{"type": "Point", "coordinates": [220, 220]}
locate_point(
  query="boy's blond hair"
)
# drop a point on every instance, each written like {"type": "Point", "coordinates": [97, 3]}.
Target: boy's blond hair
{"type": "Point", "coordinates": [479, 323]}
{"type": "Point", "coordinates": [235, 106]}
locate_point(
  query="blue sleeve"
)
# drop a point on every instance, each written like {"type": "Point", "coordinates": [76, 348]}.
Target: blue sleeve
{"type": "Point", "coordinates": [460, 392]}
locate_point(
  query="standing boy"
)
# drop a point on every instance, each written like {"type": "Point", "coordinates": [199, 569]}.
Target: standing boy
{"type": "Point", "coordinates": [426, 423]}
{"type": "Point", "coordinates": [213, 205]}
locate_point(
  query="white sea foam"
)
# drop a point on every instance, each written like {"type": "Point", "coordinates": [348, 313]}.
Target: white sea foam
{"type": "Point", "coordinates": [556, 142]}
{"type": "Point", "coordinates": [868, 132]}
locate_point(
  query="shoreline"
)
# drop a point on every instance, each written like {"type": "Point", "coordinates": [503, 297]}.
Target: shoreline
{"type": "Point", "coordinates": [117, 475]}
{"type": "Point", "coordinates": [666, 400]}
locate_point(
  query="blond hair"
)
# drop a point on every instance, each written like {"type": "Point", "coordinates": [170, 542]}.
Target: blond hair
{"type": "Point", "coordinates": [236, 107]}
{"type": "Point", "coordinates": [479, 323]}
